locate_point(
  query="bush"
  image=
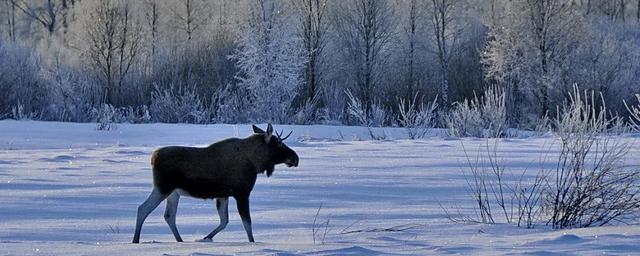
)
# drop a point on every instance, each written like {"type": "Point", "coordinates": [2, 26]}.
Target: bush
{"type": "Point", "coordinates": [465, 119]}
{"type": "Point", "coordinates": [21, 84]}
{"type": "Point", "coordinates": [356, 110]}
{"type": "Point", "coordinates": [634, 111]}
{"type": "Point", "coordinates": [479, 117]}
{"type": "Point", "coordinates": [307, 112]}
{"type": "Point", "coordinates": [177, 105]}
{"type": "Point", "coordinates": [106, 118]}
{"type": "Point", "coordinates": [416, 119]}
{"type": "Point", "coordinates": [591, 186]}
{"type": "Point", "coordinates": [230, 104]}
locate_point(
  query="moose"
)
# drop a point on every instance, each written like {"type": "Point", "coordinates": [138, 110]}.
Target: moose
{"type": "Point", "coordinates": [227, 168]}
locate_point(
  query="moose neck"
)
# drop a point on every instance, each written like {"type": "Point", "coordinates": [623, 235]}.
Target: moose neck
{"type": "Point", "coordinates": [258, 154]}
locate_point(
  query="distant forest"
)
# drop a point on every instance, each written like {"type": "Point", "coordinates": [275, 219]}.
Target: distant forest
{"type": "Point", "coordinates": [363, 62]}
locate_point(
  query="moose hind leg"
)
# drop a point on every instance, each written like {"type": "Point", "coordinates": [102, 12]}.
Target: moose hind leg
{"type": "Point", "coordinates": [154, 199]}
{"type": "Point", "coordinates": [222, 204]}
{"type": "Point", "coordinates": [170, 214]}
{"type": "Point", "coordinates": [243, 209]}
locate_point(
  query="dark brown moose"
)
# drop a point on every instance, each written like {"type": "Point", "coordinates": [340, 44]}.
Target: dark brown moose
{"type": "Point", "coordinates": [227, 168]}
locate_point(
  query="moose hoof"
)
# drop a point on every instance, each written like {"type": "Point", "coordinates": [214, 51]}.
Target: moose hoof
{"type": "Point", "coordinates": [205, 240]}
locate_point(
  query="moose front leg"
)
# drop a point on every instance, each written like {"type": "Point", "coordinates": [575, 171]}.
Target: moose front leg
{"type": "Point", "coordinates": [243, 208]}
{"type": "Point", "coordinates": [222, 204]}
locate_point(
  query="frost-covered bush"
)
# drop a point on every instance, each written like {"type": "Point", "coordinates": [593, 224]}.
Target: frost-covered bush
{"type": "Point", "coordinates": [356, 110]}
{"type": "Point", "coordinates": [334, 105]}
{"type": "Point", "coordinates": [465, 119]}
{"type": "Point", "coordinates": [133, 115]}
{"type": "Point", "coordinates": [479, 117]}
{"type": "Point", "coordinates": [590, 185]}
{"type": "Point", "coordinates": [379, 115]}
{"type": "Point", "coordinates": [106, 118]}
{"type": "Point", "coordinates": [494, 111]}
{"type": "Point", "coordinates": [73, 95]}
{"type": "Point", "coordinates": [416, 119]}
{"type": "Point", "coordinates": [177, 105]}
{"type": "Point", "coordinates": [231, 104]}
{"type": "Point", "coordinates": [18, 113]}
{"type": "Point", "coordinates": [634, 111]}
{"type": "Point", "coordinates": [587, 185]}
{"type": "Point", "coordinates": [307, 112]}
{"type": "Point", "coordinates": [21, 83]}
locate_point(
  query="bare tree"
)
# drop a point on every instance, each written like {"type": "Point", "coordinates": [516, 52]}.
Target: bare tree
{"type": "Point", "coordinates": [366, 29]}
{"type": "Point", "coordinates": [313, 29]}
{"type": "Point", "coordinates": [446, 34]}
{"type": "Point", "coordinates": [113, 40]}
{"type": "Point", "coordinates": [46, 15]}
{"type": "Point", "coordinates": [66, 7]}
{"type": "Point", "coordinates": [190, 16]}
{"type": "Point", "coordinates": [152, 16]}
{"type": "Point", "coordinates": [411, 30]}
{"type": "Point", "coordinates": [10, 7]}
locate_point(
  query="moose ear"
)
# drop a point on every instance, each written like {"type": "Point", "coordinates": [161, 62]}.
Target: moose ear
{"type": "Point", "coordinates": [267, 135]}
{"type": "Point", "coordinates": [257, 130]}
{"type": "Point", "coordinates": [269, 129]}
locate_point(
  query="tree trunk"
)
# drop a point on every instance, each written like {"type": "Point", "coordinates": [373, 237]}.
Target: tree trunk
{"type": "Point", "coordinates": [412, 37]}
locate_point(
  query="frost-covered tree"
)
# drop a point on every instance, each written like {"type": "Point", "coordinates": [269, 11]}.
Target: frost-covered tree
{"type": "Point", "coordinates": [271, 59]}
{"type": "Point", "coordinates": [530, 45]}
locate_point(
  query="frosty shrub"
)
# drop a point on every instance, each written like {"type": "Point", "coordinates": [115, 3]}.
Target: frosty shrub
{"type": "Point", "coordinates": [356, 110]}
{"type": "Point", "coordinates": [416, 119]}
{"type": "Point", "coordinates": [494, 111]}
{"type": "Point", "coordinates": [500, 194]}
{"type": "Point", "coordinates": [18, 113]}
{"type": "Point", "coordinates": [230, 104]}
{"type": "Point", "coordinates": [465, 119]}
{"type": "Point", "coordinates": [106, 118]}
{"type": "Point", "coordinates": [634, 111]}
{"type": "Point", "coordinates": [73, 95]}
{"type": "Point", "coordinates": [20, 81]}
{"type": "Point", "coordinates": [334, 105]}
{"type": "Point", "coordinates": [133, 115]}
{"type": "Point", "coordinates": [479, 117]}
{"type": "Point", "coordinates": [306, 114]}
{"type": "Point", "coordinates": [544, 125]}
{"type": "Point", "coordinates": [177, 105]}
{"type": "Point", "coordinates": [590, 185]}
{"type": "Point", "coordinates": [379, 115]}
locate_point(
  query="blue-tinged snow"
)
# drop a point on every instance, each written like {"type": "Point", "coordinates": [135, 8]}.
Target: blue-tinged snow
{"type": "Point", "coordinates": [67, 189]}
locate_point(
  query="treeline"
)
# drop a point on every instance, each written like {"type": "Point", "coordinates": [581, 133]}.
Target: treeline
{"type": "Point", "coordinates": [311, 61]}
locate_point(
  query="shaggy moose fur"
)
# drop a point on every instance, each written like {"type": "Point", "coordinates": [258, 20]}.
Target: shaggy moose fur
{"type": "Point", "coordinates": [227, 168]}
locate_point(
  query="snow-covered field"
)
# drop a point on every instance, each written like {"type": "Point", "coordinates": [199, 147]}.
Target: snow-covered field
{"type": "Point", "coordinates": [67, 189]}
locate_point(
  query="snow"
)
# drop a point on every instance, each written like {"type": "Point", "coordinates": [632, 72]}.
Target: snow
{"type": "Point", "coordinates": [67, 189]}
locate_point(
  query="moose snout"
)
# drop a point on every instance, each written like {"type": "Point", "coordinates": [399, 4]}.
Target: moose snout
{"type": "Point", "coordinates": [292, 161]}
